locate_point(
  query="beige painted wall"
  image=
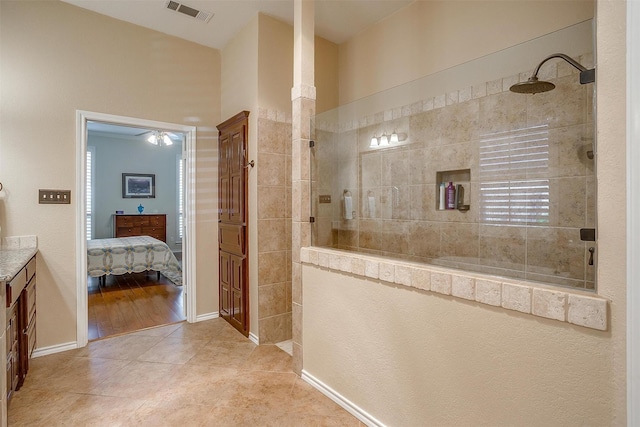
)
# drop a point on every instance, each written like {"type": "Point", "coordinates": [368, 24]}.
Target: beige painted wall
{"type": "Point", "coordinates": [440, 361]}
{"type": "Point", "coordinates": [275, 76]}
{"type": "Point", "coordinates": [326, 75]}
{"type": "Point", "coordinates": [275, 64]}
{"type": "Point", "coordinates": [414, 358]}
{"type": "Point", "coordinates": [611, 177]}
{"type": "Point", "coordinates": [429, 36]}
{"type": "Point", "coordinates": [240, 92]}
{"type": "Point", "coordinates": [57, 58]}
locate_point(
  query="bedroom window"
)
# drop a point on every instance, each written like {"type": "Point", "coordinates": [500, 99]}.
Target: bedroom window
{"type": "Point", "coordinates": [90, 167]}
{"type": "Point", "coordinates": [180, 222]}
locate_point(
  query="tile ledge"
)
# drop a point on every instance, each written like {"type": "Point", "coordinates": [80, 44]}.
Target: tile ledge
{"type": "Point", "coordinates": [576, 307]}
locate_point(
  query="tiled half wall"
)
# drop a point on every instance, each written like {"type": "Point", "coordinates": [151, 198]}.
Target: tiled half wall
{"type": "Point", "coordinates": [530, 185]}
{"type": "Point", "coordinates": [577, 307]}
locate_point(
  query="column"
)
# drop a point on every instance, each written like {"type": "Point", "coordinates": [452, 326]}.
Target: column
{"type": "Point", "coordinates": [303, 97]}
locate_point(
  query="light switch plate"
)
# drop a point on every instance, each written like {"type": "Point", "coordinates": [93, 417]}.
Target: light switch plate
{"type": "Point", "coordinates": [325, 198]}
{"type": "Point", "coordinates": [54, 197]}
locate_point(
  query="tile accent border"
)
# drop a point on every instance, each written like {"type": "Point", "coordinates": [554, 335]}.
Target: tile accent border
{"type": "Point", "coordinates": [567, 306]}
{"type": "Point", "coordinates": [551, 71]}
{"type": "Point", "coordinates": [274, 115]}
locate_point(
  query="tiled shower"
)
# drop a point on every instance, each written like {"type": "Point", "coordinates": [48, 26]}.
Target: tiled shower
{"type": "Point", "coordinates": [525, 162]}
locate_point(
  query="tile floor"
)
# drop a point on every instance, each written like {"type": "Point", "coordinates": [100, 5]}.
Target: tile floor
{"type": "Point", "coordinates": [201, 374]}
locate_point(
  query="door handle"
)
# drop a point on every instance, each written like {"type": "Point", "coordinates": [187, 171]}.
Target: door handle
{"type": "Point", "coordinates": [252, 163]}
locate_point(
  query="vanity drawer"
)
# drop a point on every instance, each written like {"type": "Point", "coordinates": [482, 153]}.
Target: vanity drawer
{"type": "Point", "coordinates": [15, 287]}
{"type": "Point", "coordinates": [31, 268]}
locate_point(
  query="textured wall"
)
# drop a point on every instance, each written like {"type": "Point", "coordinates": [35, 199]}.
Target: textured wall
{"type": "Point", "coordinates": [57, 58]}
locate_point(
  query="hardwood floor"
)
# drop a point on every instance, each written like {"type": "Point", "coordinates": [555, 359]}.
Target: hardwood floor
{"type": "Point", "coordinates": [131, 302]}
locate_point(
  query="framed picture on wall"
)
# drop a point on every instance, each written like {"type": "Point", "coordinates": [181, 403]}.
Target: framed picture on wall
{"type": "Point", "coordinates": [138, 186]}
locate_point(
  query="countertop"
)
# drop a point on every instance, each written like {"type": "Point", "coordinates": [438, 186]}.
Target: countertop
{"type": "Point", "coordinates": [12, 260]}
{"type": "Point", "coordinates": [15, 253]}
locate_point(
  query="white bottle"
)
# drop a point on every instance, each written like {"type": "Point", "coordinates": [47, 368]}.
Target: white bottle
{"type": "Point", "coordinates": [442, 191]}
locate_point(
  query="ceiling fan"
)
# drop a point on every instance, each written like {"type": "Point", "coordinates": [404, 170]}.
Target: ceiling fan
{"type": "Point", "coordinates": [159, 137]}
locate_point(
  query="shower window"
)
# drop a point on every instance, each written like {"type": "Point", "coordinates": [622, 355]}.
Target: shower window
{"type": "Point", "coordinates": [525, 163]}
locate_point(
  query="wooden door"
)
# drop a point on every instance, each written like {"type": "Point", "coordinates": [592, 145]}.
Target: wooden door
{"type": "Point", "coordinates": [232, 221]}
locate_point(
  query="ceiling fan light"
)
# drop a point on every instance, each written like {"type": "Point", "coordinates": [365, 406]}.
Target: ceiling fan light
{"type": "Point", "coordinates": [166, 139]}
{"type": "Point", "coordinates": [153, 139]}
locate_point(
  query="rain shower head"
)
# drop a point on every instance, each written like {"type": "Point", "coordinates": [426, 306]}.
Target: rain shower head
{"type": "Point", "coordinates": [533, 85]}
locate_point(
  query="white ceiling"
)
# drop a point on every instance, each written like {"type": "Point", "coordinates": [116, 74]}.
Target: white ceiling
{"type": "Point", "coordinates": [336, 20]}
{"type": "Point", "coordinates": [109, 129]}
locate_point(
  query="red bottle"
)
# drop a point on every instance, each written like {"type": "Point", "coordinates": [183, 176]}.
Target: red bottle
{"type": "Point", "coordinates": [450, 197]}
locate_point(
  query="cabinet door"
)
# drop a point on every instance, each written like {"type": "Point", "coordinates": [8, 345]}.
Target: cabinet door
{"type": "Point", "coordinates": [225, 284]}
{"type": "Point", "coordinates": [13, 350]}
{"type": "Point", "coordinates": [223, 178]}
{"type": "Point", "coordinates": [232, 227]}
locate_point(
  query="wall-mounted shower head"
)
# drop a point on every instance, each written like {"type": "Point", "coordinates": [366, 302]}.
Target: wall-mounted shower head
{"type": "Point", "coordinates": [533, 85]}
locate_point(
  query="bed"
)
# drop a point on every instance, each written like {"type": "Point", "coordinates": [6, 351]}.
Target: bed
{"type": "Point", "coordinates": [129, 255]}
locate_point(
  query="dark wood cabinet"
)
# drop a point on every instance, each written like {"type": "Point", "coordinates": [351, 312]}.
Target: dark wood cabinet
{"type": "Point", "coordinates": [154, 225]}
{"type": "Point", "coordinates": [232, 221]}
{"type": "Point", "coordinates": [21, 325]}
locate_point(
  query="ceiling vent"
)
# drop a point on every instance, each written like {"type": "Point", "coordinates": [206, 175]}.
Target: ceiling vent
{"type": "Point", "coordinates": [200, 15]}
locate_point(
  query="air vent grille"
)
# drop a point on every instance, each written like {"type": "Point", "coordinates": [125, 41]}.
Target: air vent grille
{"type": "Point", "coordinates": [200, 15]}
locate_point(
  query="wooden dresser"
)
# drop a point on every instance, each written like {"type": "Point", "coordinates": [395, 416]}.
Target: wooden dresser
{"type": "Point", "coordinates": [154, 225]}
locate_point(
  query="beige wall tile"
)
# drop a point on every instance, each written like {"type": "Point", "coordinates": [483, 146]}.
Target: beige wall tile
{"type": "Point", "coordinates": [550, 304]}
{"type": "Point", "coordinates": [272, 202]}
{"type": "Point", "coordinates": [272, 268]}
{"type": "Point", "coordinates": [386, 271]}
{"type": "Point", "coordinates": [516, 297]}
{"type": "Point", "coordinates": [421, 278]}
{"type": "Point", "coordinates": [272, 300]}
{"type": "Point", "coordinates": [272, 235]}
{"type": "Point", "coordinates": [441, 283]}
{"type": "Point", "coordinates": [276, 328]}
{"type": "Point", "coordinates": [402, 275]}
{"type": "Point", "coordinates": [271, 169]}
{"type": "Point", "coordinates": [489, 292]}
{"type": "Point", "coordinates": [587, 311]}
{"type": "Point", "coordinates": [463, 287]}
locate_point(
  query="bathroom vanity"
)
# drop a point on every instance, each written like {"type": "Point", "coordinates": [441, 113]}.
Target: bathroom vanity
{"type": "Point", "coordinates": [18, 333]}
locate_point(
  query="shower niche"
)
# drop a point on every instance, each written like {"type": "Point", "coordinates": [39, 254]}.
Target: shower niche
{"type": "Point", "coordinates": [461, 181]}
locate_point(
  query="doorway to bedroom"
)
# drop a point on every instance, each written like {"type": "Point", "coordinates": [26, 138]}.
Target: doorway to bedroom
{"type": "Point", "coordinates": [136, 224]}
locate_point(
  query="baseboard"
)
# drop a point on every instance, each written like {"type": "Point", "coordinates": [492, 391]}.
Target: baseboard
{"type": "Point", "coordinates": [207, 316]}
{"type": "Point", "coordinates": [340, 400]}
{"type": "Point", "coordinates": [254, 338]}
{"type": "Point", "coordinates": [58, 348]}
